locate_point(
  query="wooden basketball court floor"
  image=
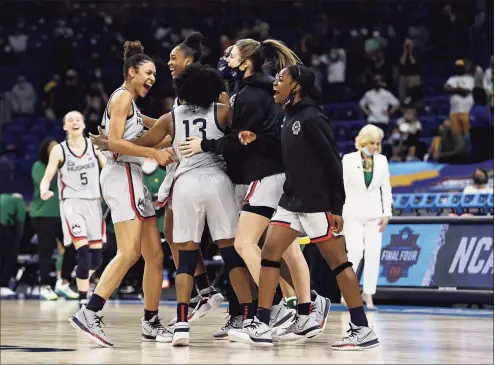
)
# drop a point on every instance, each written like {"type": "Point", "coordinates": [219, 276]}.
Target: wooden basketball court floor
{"type": "Point", "coordinates": [38, 332]}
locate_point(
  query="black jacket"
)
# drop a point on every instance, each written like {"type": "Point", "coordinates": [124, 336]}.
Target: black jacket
{"type": "Point", "coordinates": [313, 168]}
{"type": "Point", "coordinates": [253, 110]}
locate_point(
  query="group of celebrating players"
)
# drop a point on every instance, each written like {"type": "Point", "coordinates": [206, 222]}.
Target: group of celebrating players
{"type": "Point", "coordinates": [248, 154]}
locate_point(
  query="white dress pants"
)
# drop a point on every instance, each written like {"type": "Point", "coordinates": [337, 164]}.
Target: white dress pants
{"type": "Point", "coordinates": [362, 234]}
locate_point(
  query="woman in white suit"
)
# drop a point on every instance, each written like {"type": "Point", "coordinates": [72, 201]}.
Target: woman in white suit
{"type": "Point", "coordinates": [368, 205]}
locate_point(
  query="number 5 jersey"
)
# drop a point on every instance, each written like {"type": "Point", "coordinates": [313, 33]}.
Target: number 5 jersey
{"type": "Point", "coordinates": [79, 176]}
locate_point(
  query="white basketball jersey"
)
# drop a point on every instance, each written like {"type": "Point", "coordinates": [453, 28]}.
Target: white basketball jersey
{"type": "Point", "coordinates": [193, 121]}
{"type": "Point", "coordinates": [134, 128]}
{"type": "Point", "coordinates": [79, 176]}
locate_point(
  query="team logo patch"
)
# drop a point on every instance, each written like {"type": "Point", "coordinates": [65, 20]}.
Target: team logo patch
{"type": "Point", "coordinates": [76, 229]}
{"type": "Point", "coordinates": [296, 128]}
{"type": "Point", "coordinates": [400, 255]}
{"type": "Point", "coordinates": [140, 204]}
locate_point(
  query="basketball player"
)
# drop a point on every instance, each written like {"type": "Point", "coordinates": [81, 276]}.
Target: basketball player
{"type": "Point", "coordinates": [259, 165]}
{"type": "Point", "coordinates": [201, 189]}
{"type": "Point", "coordinates": [312, 203]}
{"type": "Point", "coordinates": [130, 203]}
{"type": "Point", "coordinates": [78, 166]}
{"type": "Point", "coordinates": [204, 296]}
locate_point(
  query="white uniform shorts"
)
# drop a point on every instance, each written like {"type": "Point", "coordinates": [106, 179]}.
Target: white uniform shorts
{"type": "Point", "coordinates": [265, 192]}
{"type": "Point", "coordinates": [316, 226]}
{"type": "Point", "coordinates": [204, 194]}
{"type": "Point", "coordinates": [124, 192]}
{"type": "Point", "coordinates": [82, 219]}
{"type": "Point", "coordinates": [240, 192]}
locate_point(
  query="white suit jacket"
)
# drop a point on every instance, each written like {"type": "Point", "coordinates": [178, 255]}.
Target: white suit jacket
{"type": "Point", "coordinates": [360, 201]}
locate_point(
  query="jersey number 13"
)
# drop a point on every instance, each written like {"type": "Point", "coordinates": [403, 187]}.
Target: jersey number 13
{"type": "Point", "coordinates": [202, 128]}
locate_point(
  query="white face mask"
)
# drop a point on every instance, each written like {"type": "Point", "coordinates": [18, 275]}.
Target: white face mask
{"type": "Point", "coordinates": [149, 166]}
{"type": "Point", "coordinates": [367, 152]}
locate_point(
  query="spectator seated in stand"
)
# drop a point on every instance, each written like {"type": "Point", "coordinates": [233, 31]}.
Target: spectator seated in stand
{"type": "Point", "coordinates": [450, 147]}
{"type": "Point", "coordinates": [480, 183]}
{"type": "Point", "coordinates": [404, 139]}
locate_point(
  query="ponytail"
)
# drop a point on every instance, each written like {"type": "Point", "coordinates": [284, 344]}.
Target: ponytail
{"type": "Point", "coordinates": [282, 55]}
{"type": "Point", "coordinates": [271, 48]}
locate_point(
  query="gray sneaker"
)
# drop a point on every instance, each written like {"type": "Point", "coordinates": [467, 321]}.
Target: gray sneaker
{"type": "Point", "coordinates": [281, 316]}
{"type": "Point", "coordinates": [234, 322]}
{"type": "Point", "coordinates": [358, 338]}
{"type": "Point", "coordinates": [304, 327]}
{"type": "Point", "coordinates": [89, 323]}
{"type": "Point", "coordinates": [153, 331]}
{"type": "Point", "coordinates": [256, 333]}
{"type": "Point", "coordinates": [321, 308]}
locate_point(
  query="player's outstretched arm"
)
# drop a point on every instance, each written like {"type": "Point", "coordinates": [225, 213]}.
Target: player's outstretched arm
{"type": "Point", "coordinates": [56, 157]}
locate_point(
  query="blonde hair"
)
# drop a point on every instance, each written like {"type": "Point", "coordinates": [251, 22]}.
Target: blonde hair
{"type": "Point", "coordinates": [369, 133]}
{"type": "Point", "coordinates": [251, 49]}
{"type": "Point", "coordinates": [73, 111]}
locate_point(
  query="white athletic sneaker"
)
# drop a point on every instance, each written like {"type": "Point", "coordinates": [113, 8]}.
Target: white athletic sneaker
{"type": "Point", "coordinates": [253, 332]}
{"type": "Point", "coordinates": [213, 296]}
{"type": "Point", "coordinates": [47, 293]}
{"type": "Point", "coordinates": [64, 290]}
{"type": "Point", "coordinates": [153, 331]}
{"type": "Point", "coordinates": [359, 338]}
{"type": "Point", "coordinates": [6, 292]}
{"type": "Point", "coordinates": [240, 334]}
{"type": "Point", "coordinates": [304, 327]}
{"type": "Point", "coordinates": [198, 307]}
{"type": "Point", "coordinates": [281, 316]}
{"type": "Point", "coordinates": [89, 323]}
{"type": "Point", "coordinates": [321, 308]}
{"type": "Point", "coordinates": [234, 322]}
{"type": "Point", "coordinates": [181, 334]}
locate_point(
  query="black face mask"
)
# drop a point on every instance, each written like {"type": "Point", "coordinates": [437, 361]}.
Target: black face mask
{"type": "Point", "coordinates": [225, 71]}
{"type": "Point", "coordinates": [460, 70]}
{"type": "Point", "coordinates": [237, 73]}
{"type": "Point", "coordinates": [480, 179]}
{"type": "Point", "coordinates": [290, 98]}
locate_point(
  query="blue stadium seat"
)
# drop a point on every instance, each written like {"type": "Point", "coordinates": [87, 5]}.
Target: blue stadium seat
{"type": "Point", "coordinates": [424, 203]}
{"type": "Point", "coordinates": [490, 204]}
{"type": "Point", "coordinates": [475, 203]}
{"type": "Point", "coordinates": [449, 202]}
{"type": "Point", "coordinates": [403, 203]}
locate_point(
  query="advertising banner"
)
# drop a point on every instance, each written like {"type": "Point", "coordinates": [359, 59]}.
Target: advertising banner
{"type": "Point", "coordinates": [437, 255]}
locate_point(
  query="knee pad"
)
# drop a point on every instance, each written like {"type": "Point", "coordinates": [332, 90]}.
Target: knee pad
{"type": "Point", "coordinates": [187, 262]}
{"type": "Point", "coordinates": [270, 263]}
{"type": "Point", "coordinates": [231, 258]}
{"type": "Point", "coordinates": [83, 262]}
{"type": "Point", "coordinates": [342, 267]}
{"type": "Point", "coordinates": [96, 257]}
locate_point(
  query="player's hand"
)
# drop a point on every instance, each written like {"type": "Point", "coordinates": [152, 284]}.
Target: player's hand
{"type": "Point", "coordinates": [246, 137]}
{"type": "Point", "coordinates": [337, 223]}
{"type": "Point", "coordinates": [382, 223]}
{"type": "Point", "coordinates": [190, 147]}
{"type": "Point", "coordinates": [45, 195]}
{"type": "Point", "coordinates": [224, 98]}
{"type": "Point", "coordinates": [100, 140]}
{"type": "Point", "coordinates": [164, 157]}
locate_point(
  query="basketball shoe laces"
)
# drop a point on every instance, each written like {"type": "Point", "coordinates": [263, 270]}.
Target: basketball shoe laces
{"type": "Point", "coordinates": [230, 320]}
{"type": "Point", "coordinates": [353, 332]}
{"type": "Point", "coordinates": [99, 321]}
{"type": "Point", "coordinates": [156, 324]}
{"type": "Point", "coordinates": [254, 324]}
